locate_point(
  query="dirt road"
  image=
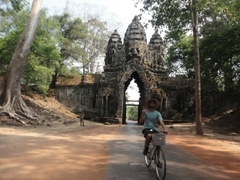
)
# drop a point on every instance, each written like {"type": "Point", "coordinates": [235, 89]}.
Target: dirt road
{"type": "Point", "coordinates": [73, 152]}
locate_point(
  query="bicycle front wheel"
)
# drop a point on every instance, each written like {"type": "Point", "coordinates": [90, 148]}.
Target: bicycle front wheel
{"type": "Point", "coordinates": [160, 164]}
{"type": "Point", "coordinates": [148, 159]}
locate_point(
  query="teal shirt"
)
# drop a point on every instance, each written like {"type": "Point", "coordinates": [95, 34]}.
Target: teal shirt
{"type": "Point", "coordinates": [151, 119]}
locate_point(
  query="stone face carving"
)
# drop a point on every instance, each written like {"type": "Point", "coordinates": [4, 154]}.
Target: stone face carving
{"type": "Point", "coordinates": [135, 41]}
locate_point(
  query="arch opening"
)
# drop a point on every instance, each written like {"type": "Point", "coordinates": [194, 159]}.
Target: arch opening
{"type": "Point", "coordinates": [135, 99]}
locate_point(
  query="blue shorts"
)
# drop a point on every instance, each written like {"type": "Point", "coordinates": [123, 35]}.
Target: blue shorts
{"type": "Point", "coordinates": [148, 131]}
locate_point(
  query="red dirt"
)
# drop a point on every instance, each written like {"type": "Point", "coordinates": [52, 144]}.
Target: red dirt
{"type": "Point", "coordinates": [216, 149]}
{"type": "Point", "coordinates": [61, 153]}
{"type": "Point", "coordinates": [61, 149]}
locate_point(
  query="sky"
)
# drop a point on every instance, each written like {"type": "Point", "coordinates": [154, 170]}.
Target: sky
{"type": "Point", "coordinates": [124, 11]}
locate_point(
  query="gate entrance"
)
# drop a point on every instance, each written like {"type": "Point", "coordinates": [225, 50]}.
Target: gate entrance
{"type": "Point", "coordinates": [133, 59]}
{"type": "Point", "coordinates": [140, 85]}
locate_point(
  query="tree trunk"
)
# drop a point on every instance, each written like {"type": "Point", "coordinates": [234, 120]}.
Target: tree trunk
{"type": "Point", "coordinates": [11, 101]}
{"type": "Point", "coordinates": [199, 130]}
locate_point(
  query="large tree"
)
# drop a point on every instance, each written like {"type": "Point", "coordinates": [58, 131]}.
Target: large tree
{"type": "Point", "coordinates": [181, 16]}
{"type": "Point", "coordinates": [44, 53]}
{"type": "Point", "coordinates": [198, 103]}
{"type": "Point", "coordinates": [11, 101]}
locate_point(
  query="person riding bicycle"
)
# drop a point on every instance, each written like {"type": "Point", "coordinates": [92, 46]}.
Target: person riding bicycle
{"type": "Point", "coordinates": [150, 119]}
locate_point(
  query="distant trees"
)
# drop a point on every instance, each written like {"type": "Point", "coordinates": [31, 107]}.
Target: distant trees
{"type": "Point", "coordinates": [132, 112]}
{"type": "Point", "coordinates": [83, 42]}
{"type": "Point", "coordinates": [73, 32]}
{"type": "Point", "coordinates": [95, 43]}
{"type": "Point", "coordinates": [100, 25]}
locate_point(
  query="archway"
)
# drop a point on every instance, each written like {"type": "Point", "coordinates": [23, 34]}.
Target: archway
{"type": "Point", "coordinates": [134, 76]}
{"type": "Point", "coordinates": [132, 102]}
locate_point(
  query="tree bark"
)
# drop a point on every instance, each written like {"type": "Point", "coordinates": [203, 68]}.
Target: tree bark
{"type": "Point", "coordinates": [199, 130]}
{"type": "Point", "coordinates": [11, 101]}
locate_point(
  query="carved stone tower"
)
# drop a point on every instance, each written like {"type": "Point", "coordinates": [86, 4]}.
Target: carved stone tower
{"type": "Point", "coordinates": [135, 59]}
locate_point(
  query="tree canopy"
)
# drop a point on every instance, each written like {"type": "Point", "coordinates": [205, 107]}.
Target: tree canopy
{"type": "Point", "coordinates": [218, 34]}
{"type": "Point", "coordinates": [218, 39]}
{"type": "Point", "coordinates": [34, 54]}
{"type": "Point", "coordinates": [63, 44]}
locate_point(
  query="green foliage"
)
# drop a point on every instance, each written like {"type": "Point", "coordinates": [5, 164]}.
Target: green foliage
{"type": "Point", "coordinates": [60, 42]}
{"type": "Point", "coordinates": [9, 9]}
{"type": "Point", "coordinates": [7, 6]}
{"type": "Point", "coordinates": [127, 96]}
{"type": "Point", "coordinates": [17, 4]}
{"type": "Point", "coordinates": [65, 70]}
{"type": "Point", "coordinates": [132, 112]}
{"type": "Point", "coordinates": [218, 22]}
{"type": "Point", "coordinates": [37, 74]}
{"type": "Point", "coordinates": [221, 52]}
{"type": "Point", "coordinates": [73, 33]}
{"type": "Point", "coordinates": [44, 54]}
{"type": "Point", "coordinates": [175, 18]}
{"type": "Point", "coordinates": [180, 54]}
{"type": "Point", "coordinates": [83, 42]}
{"type": "Point", "coordinates": [218, 42]}
{"type": "Point", "coordinates": [7, 46]}
{"type": "Point", "coordinates": [175, 15]}
{"type": "Point", "coordinates": [74, 71]}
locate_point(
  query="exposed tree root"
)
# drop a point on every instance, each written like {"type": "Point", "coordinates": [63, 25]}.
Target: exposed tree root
{"type": "Point", "coordinates": [19, 111]}
{"type": "Point", "coordinates": [13, 105]}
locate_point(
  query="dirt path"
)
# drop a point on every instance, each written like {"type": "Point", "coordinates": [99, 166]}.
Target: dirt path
{"type": "Point", "coordinates": [70, 152]}
{"type": "Point", "coordinates": [73, 152]}
{"type": "Point", "coordinates": [217, 149]}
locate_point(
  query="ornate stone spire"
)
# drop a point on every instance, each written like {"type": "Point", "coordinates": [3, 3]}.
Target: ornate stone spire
{"type": "Point", "coordinates": [156, 55]}
{"type": "Point", "coordinates": [115, 38]}
{"type": "Point", "coordinates": [156, 38]}
{"type": "Point", "coordinates": [114, 49]}
{"type": "Point", "coordinates": [135, 31]}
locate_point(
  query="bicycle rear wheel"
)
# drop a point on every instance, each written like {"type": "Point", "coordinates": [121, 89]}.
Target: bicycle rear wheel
{"type": "Point", "coordinates": [160, 163]}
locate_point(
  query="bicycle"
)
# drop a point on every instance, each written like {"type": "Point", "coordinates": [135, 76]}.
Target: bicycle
{"type": "Point", "coordinates": [155, 153]}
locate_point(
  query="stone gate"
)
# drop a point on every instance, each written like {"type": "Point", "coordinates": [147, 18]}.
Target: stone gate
{"type": "Point", "coordinates": [103, 95]}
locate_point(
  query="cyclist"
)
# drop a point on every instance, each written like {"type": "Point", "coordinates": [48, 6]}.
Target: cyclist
{"type": "Point", "coordinates": [150, 119]}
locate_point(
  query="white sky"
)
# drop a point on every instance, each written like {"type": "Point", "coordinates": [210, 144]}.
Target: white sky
{"type": "Point", "coordinates": [123, 9]}
{"type": "Point", "coordinates": [125, 12]}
